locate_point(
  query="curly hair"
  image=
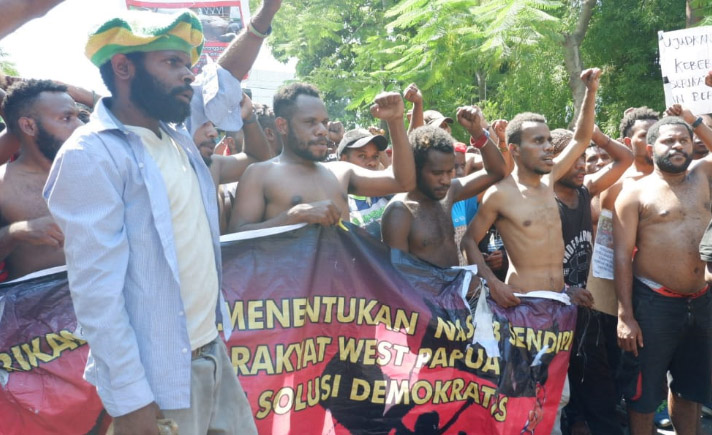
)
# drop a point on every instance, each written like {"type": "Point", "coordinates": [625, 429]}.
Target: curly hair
{"type": "Point", "coordinates": [426, 138]}
{"type": "Point", "coordinates": [21, 98]}
{"type": "Point", "coordinates": [638, 114]}
{"type": "Point", "coordinates": [560, 138]}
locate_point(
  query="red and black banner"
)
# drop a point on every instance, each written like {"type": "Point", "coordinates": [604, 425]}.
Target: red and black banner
{"type": "Point", "coordinates": [332, 333]}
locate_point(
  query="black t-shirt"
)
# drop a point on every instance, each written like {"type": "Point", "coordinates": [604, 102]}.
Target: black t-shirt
{"type": "Point", "coordinates": [577, 229]}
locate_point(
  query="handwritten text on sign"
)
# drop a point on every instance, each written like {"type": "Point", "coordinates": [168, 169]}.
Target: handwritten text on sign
{"type": "Point", "coordinates": [685, 59]}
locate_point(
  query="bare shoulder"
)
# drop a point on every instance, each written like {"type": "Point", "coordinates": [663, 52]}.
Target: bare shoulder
{"type": "Point", "coordinates": [400, 204]}
{"type": "Point", "coordinates": [342, 170]}
{"type": "Point", "coordinates": [632, 188]}
{"type": "Point", "coordinates": [502, 190]}
{"type": "Point", "coordinates": [263, 168]}
{"type": "Point", "coordinates": [703, 165]}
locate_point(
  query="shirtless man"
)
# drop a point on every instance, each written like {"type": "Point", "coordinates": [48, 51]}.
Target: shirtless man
{"type": "Point", "coordinates": [420, 221]}
{"type": "Point", "coordinates": [295, 187]}
{"type": "Point", "coordinates": [634, 128]}
{"type": "Point", "coordinates": [596, 158]}
{"type": "Point", "coordinates": [663, 301]}
{"type": "Point", "coordinates": [42, 115]}
{"type": "Point", "coordinates": [524, 209]}
{"type": "Point", "coordinates": [228, 169]}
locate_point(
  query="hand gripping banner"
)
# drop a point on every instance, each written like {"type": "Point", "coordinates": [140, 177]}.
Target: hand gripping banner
{"type": "Point", "coordinates": [332, 333]}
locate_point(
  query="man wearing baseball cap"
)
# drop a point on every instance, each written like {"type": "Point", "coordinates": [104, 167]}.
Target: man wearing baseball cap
{"type": "Point", "coordinates": [362, 148]}
{"type": "Point", "coordinates": [437, 119]}
{"type": "Point", "coordinates": [137, 206]}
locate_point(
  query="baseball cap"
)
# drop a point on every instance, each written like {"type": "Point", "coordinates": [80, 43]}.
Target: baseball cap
{"type": "Point", "coordinates": [435, 118]}
{"type": "Point", "coordinates": [358, 138]}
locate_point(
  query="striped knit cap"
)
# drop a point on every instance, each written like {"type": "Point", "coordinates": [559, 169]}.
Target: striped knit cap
{"type": "Point", "coordinates": [146, 31]}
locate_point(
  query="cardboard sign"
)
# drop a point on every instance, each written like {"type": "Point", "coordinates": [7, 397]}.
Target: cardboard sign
{"type": "Point", "coordinates": [685, 60]}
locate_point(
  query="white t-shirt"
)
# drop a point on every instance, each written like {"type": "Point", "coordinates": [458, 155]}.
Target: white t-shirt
{"type": "Point", "coordinates": [191, 235]}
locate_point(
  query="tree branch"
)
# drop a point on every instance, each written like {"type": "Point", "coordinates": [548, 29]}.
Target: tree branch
{"type": "Point", "coordinates": [583, 21]}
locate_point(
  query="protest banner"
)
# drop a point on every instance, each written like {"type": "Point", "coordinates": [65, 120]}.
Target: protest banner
{"type": "Point", "coordinates": [685, 59]}
{"type": "Point", "coordinates": [600, 275]}
{"type": "Point", "coordinates": [333, 332]}
{"type": "Point", "coordinates": [222, 20]}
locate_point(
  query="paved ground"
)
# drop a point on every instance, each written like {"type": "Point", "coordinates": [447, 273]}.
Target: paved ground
{"type": "Point", "coordinates": [706, 428]}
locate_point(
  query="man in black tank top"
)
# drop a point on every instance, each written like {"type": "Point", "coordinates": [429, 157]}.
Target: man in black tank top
{"type": "Point", "coordinates": [593, 392]}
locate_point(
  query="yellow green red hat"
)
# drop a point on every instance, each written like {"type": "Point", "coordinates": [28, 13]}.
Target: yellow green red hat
{"type": "Point", "coordinates": [146, 31]}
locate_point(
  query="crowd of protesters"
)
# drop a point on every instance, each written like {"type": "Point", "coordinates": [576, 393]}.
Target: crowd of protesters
{"type": "Point", "coordinates": [134, 198]}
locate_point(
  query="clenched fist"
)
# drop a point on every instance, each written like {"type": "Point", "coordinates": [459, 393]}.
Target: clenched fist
{"type": "Point", "coordinates": [388, 106]}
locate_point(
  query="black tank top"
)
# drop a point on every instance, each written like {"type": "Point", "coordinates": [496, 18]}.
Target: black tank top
{"type": "Point", "coordinates": [577, 230]}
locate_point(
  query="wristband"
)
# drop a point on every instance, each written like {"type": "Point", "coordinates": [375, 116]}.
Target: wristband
{"type": "Point", "coordinates": [251, 28]}
{"type": "Point", "coordinates": [697, 122]}
{"type": "Point", "coordinates": [481, 141]}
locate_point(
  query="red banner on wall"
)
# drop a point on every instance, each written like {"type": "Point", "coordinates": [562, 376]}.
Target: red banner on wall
{"type": "Point", "coordinates": [333, 333]}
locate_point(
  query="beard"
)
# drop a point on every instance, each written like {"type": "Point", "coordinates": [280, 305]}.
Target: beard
{"type": "Point", "coordinates": [664, 164]}
{"type": "Point", "coordinates": [47, 143]}
{"type": "Point", "coordinates": [155, 99]}
{"type": "Point", "coordinates": [301, 149]}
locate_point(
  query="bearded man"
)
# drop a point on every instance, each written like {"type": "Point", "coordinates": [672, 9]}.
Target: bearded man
{"type": "Point", "coordinates": [664, 304]}
{"type": "Point", "coordinates": [137, 206]}
{"type": "Point", "coordinates": [42, 115]}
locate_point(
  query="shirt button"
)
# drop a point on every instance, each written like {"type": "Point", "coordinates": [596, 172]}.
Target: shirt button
{"type": "Point", "coordinates": [185, 350]}
{"type": "Point", "coordinates": [140, 165]}
{"type": "Point", "coordinates": [180, 313]}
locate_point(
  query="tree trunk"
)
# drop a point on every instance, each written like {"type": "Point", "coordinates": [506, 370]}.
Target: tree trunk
{"type": "Point", "coordinates": [572, 55]}
{"type": "Point", "coordinates": [574, 66]}
{"type": "Point", "coordinates": [693, 14]}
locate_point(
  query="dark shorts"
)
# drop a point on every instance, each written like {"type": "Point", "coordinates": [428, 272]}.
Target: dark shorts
{"type": "Point", "coordinates": [677, 338]}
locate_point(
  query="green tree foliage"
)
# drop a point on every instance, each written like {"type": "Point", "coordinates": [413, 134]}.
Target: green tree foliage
{"type": "Point", "coordinates": [625, 45]}
{"type": "Point", "coordinates": [505, 55]}
{"type": "Point", "coordinates": [6, 66]}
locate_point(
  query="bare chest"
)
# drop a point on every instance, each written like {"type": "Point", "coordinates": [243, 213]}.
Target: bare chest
{"type": "Point", "coordinates": [684, 205]}
{"type": "Point", "coordinates": [531, 215]}
{"type": "Point", "coordinates": [291, 188]}
{"type": "Point", "coordinates": [432, 234]}
{"type": "Point", "coordinates": [21, 197]}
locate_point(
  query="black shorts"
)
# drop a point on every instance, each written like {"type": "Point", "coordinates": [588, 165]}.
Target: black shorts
{"type": "Point", "coordinates": [677, 338]}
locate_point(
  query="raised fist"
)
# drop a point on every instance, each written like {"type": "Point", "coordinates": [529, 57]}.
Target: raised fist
{"type": "Point", "coordinates": [499, 127]}
{"type": "Point", "coordinates": [413, 94]}
{"type": "Point", "coordinates": [590, 78]}
{"type": "Point", "coordinates": [335, 131]}
{"type": "Point", "coordinates": [470, 117]}
{"type": "Point", "coordinates": [388, 106]}
{"type": "Point", "coordinates": [683, 112]}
